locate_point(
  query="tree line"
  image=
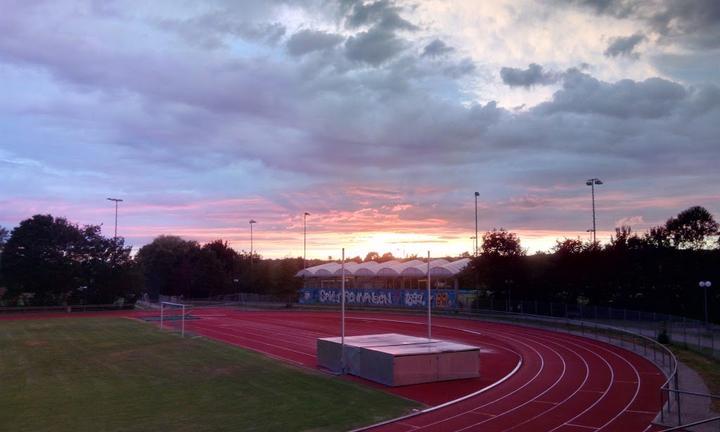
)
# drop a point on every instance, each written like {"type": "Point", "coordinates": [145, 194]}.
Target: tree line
{"type": "Point", "coordinates": [658, 270]}
{"type": "Point", "coordinates": [48, 260]}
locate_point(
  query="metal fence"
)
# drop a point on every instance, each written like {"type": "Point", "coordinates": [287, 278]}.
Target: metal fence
{"type": "Point", "coordinates": [686, 332]}
{"type": "Point", "coordinates": [65, 309]}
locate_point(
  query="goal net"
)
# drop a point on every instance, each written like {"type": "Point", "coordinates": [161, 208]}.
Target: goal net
{"type": "Point", "coordinates": [173, 315]}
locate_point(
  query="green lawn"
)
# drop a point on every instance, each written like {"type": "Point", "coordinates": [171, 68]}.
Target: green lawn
{"type": "Point", "coordinates": [108, 374]}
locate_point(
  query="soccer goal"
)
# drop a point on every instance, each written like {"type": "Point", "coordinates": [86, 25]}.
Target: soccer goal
{"type": "Point", "coordinates": [172, 316]}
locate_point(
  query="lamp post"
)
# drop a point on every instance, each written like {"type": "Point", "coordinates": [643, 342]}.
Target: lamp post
{"type": "Point", "coordinates": [705, 285]}
{"type": "Point", "coordinates": [475, 252]}
{"type": "Point", "coordinates": [116, 200]}
{"type": "Point", "coordinates": [473, 241]}
{"type": "Point", "coordinates": [592, 182]}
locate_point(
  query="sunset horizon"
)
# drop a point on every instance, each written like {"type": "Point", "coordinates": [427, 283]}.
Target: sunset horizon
{"type": "Point", "coordinates": [379, 119]}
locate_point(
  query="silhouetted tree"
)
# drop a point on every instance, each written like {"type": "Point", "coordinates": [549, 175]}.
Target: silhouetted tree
{"type": "Point", "coordinates": [691, 228]}
{"type": "Point", "coordinates": [372, 256]}
{"type": "Point", "coordinates": [168, 265]}
{"type": "Point", "coordinates": [500, 242]}
{"type": "Point", "coordinates": [657, 237]}
{"type": "Point", "coordinates": [56, 262]}
{"type": "Point", "coordinates": [387, 256]}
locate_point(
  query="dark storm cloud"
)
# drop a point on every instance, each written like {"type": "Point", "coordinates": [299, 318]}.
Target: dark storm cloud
{"type": "Point", "coordinates": [374, 46]}
{"type": "Point", "coordinates": [532, 76]}
{"type": "Point", "coordinates": [306, 41]}
{"type": "Point", "coordinates": [694, 23]}
{"type": "Point", "coordinates": [437, 48]}
{"type": "Point", "coordinates": [624, 46]}
{"type": "Point", "coordinates": [652, 98]}
{"type": "Point", "coordinates": [383, 14]}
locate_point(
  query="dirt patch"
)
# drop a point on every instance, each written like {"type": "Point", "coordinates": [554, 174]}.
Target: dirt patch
{"type": "Point", "coordinates": [35, 343]}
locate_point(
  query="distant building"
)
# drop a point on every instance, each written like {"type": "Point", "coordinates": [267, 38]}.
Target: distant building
{"type": "Point", "coordinates": [387, 284]}
{"type": "Point", "coordinates": [387, 275]}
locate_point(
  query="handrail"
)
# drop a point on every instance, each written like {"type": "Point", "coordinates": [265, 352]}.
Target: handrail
{"type": "Point", "coordinates": [697, 423]}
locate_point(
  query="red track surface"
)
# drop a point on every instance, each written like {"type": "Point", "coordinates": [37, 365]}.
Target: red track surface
{"type": "Point", "coordinates": [564, 383]}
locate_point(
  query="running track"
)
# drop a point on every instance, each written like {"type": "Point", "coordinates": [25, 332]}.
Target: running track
{"type": "Point", "coordinates": [550, 381]}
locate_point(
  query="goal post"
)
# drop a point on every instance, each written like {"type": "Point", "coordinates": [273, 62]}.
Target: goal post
{"type": "Point", "coordinates": [172, 315]}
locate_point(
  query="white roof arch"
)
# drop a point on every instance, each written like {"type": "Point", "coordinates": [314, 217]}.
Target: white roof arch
{"type": "Point", "coordinates": [390, 269]}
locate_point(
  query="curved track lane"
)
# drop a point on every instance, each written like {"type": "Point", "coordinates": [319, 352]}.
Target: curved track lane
{"type": "Point", "coordinates": [531, 380]}
{"type": "Point", "coordinates": [564, 383]}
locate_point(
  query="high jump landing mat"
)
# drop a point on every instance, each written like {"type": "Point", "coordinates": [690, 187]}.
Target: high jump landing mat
{"type": "Point", "coordinates": [396, 360]}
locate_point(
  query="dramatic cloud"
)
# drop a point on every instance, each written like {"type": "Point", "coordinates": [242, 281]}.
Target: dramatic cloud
{"type": "Point", "coordinates": [624, 46]}
{"type": "Point", "coordinates": [383, 14]}
{"type": "Point", "coordinates": [306, 41]}
{"type": "Point", "coordinates": [374, 46]}
{"type": "Point", "coordinates": [695, 23]}
{"type": "Point", "coordinates": [202, 117]}
{"type": "Point", "coordinates": [532, 76]}
{"type": "Point", "coordinates": [437, 48]}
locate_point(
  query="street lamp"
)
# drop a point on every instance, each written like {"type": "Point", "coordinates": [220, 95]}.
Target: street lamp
{"type": "Point", "coordinates": [116, 200]}
{"type": "Point", "coordinates": [592, 182]}
{"type": "Point", "coordinates": [705, 285]}
{"type": "Point", "coordinates": [477, 194]}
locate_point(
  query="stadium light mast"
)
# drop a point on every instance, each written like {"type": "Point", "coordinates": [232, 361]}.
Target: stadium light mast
{"type": "Point", "coordinates": [252, 221]}
{"type": "Point", "coordinates": [305, 239]}
{"type": "Point", "coordinates": [429, 301]}
{"type": "Point", "coordinates": [116, 200]}
{"type": "Point", "coordinates": [475, 252]}
{"type": "Point", "coordinates": [592, 182]}
{"type": "Point", "coordinates": [342, 313]}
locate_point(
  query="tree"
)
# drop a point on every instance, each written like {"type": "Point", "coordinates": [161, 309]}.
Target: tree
{"type": "Point", "coordinates": [691, 228]}
{"type": "Point", "coordinates": [387, 256]}
{"type": "Point", "coordinates": [568, 247]}
{"type": "Point", "coordinates": [41, 258]}
{"type": "Point", "coordinates": [624, 239]}
{"type": "Point", "coordinates": [4, 235]}
{"type": "Point", "coordinates": [57, 262]}
{"type": "Point", "coordinates": [372, 256]}
{"type": "Point", "coordinates": [657, 237]}
{"type": "Point", "coordinates": [167, 264]}
{"type": "Point", "coordinates": [500, 242]}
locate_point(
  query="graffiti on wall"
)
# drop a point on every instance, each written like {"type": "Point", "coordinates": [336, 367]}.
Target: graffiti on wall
{"type": "Point", "coordinates": [443, 299]}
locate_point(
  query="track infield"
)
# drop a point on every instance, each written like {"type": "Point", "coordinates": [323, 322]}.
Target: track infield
{"type": "Point", "coordinates": [115, 374]}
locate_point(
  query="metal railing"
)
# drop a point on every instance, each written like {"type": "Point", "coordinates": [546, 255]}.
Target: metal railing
{"type": "Point", "coordinates": [65, 309]}
{"type": "Point", "coordinates": [690, 333]}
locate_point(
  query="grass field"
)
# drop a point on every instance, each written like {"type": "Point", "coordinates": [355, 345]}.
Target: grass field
{"type": "Point", "coordinates": [106, 374]}
{"type": "Point", "coordinates": [706, 366]}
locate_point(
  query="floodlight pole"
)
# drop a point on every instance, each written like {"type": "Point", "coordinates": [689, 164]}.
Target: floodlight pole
{"type": "Point", "coordinates": [252, 221]}
{"type": "Point", "coordinates": [592, 182]}
{"type": "Point", "coordinates": [305, 240]}
{"type": "Point", "coordinates": [116, 200]}
{"type": "Point", "coordinates": [475, 252]}
{"type": "Point", "coordinates": [342, 313]}
{"type": "Point", "coordinates": [429, 301]}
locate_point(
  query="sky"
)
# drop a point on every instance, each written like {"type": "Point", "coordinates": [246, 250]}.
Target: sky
{"type": "Point", "coordinates": [379, 118]}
